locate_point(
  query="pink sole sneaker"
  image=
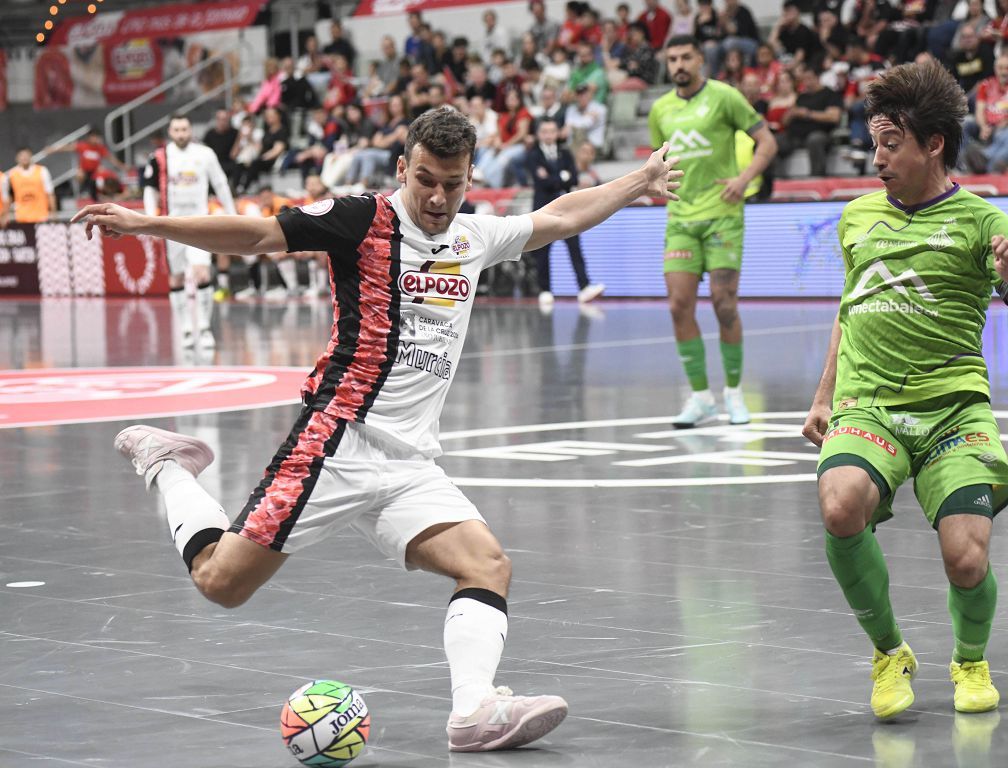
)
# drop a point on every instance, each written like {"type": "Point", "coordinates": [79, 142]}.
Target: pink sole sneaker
{"type": "Point", "coordinates": [148, 447]}
{"type": "Point", "coordinates": [505, 721]}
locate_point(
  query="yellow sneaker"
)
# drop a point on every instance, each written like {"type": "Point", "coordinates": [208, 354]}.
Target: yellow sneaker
{"type": "Point", "coordinates": [221, 294]}
{"type": "Point", "coordinates": [974, 691]}
{"type": "Point", "coordinates": [892, 693]}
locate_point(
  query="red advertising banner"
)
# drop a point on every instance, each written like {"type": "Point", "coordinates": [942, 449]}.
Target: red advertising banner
{"type": "Point", "coordinates": [389, 7]}
{"type": "Point", "coordinates": [135, 266]}
{"type": "Point", "coordinates": [18, 261]}
{"type": "Point", "coordinates": [132, 68]}
{"type": "Point", "coordinates": [163, 21]}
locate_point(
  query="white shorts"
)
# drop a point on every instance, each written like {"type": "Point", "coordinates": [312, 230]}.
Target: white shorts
{"type": "Point", "coordinates": [182, 256]}
{"type": "Point", "coordinates": [331, 473]}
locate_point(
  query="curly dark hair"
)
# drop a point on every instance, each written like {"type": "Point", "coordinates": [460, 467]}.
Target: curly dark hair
{"type": "Point", "coordinates": [922, 100]}
{"type": "Point", "coordinates": [444, 132]}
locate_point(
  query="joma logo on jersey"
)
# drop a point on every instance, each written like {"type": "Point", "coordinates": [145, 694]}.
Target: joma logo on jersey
{"type": "Point", "coordinates": [682, 140]}
{"type": "Point", "coordinates": [436, 284]}
{"type": "Point", "coordinates": [888, 280]}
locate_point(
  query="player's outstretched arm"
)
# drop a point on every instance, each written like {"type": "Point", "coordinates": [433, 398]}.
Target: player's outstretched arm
{"type": "Point", "coordinates": [575, 212]}
{"type": "Point", "coordinates": [999, 244]}
{"type": "Point", "coordinates": [239, 235]}
{"type": "Point", "coordinates": [822, 404]}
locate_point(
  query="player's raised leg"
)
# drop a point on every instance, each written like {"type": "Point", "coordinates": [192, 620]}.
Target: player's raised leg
{"type": "Point", "coordinates": [848, 497]}
{"type": "Point", "coordinates": [483, 717]}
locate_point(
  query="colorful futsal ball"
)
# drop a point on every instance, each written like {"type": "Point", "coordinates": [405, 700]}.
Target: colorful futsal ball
{"type": "Point", "coordinates": [325, 724]}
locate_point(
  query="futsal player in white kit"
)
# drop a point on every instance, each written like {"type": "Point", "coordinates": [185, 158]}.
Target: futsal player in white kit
{"type": "Point", "coordinates": [404, 271]}
{"type": "Point", "coordinates": [176, 182]}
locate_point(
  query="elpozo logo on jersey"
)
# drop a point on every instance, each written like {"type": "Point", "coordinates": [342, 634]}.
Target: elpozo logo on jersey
{"type": "Point", "coordinates": [439, 283]}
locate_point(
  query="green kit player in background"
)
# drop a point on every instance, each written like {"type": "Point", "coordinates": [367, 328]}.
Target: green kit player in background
{"type": "Point", "coordinates": [905, 391]}
{"type": "Point", "coordinates": [699, 118]}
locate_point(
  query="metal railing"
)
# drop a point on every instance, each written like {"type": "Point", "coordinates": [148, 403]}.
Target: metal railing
{"type": "Point", "coordinates": [131, 137]}
{"type": "Point", "coordinates": [70, 173]}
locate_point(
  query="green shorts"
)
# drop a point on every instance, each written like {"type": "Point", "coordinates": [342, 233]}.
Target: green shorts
{"type": "Point", "coordinates": [945, 443]}
{"type": "Point", "coordinates": [700, 246]}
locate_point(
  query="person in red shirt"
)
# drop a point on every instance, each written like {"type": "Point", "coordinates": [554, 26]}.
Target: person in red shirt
{"type": "Point", "coordinates": [989, 123]}
{"type": "Point", "coordinates": [571, 30]}
{"type": "Point", "coordinates": [91, 151]}
{"type": "Point", "coordinates": [658, 21]}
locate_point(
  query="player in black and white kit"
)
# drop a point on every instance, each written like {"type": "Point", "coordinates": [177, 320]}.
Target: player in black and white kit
{"type": "Point", "coordinates": [404, 270]}
{"type": "Point", "coordinates": [176, 182]}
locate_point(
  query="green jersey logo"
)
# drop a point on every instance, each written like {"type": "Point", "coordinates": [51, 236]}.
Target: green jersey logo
{"type": "Point", "coordinates": [887, 280]}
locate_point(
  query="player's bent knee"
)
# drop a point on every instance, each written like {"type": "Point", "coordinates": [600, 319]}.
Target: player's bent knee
{"type": "Point", "coordinates": [221, 586]}
{"type": "Point", "coordinates": [846, 507]}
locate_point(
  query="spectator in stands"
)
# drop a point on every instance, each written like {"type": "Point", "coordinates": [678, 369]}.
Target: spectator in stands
{"type": "Point", "coordinates": [611, 47]}
{"type": "Point", "coordinates": [238, 111]}
{"type": "Point", "coordinates": [588, 72]}
{"type": "Point", "coordinates": [550, 107]}
{"type": "Point", "coordinates": [388, 64]}
{"type": "Point", "coordinates": [864, 68]}
{"type": "Point", "coordinates": [494, 37]}
{"type": "Point", "coordinates": [832, 34]}
{"type": "Point", "coordinates": [973, 61]}
{"type": "Point", "coordinates": [91, 151]}
{"type": "Point", "coordinates": [372, 86]}
{"type": "Point", "coordinates": [987, 152]}
{"type": "Point", "coordinates": [295, 91]}
{"type": "Point", "coordinates": [708, 33]}
{"type": "Point", "coordinates": [246, 149]}
{"type": "Point", "coordinates": [29, 187]}
{"type": "Point", "coordinates": [817, 112]}
{"type": "Point", "coordinates": [311, 60]}
{"type": "Point", "coordinates": [529, 53]}
{"type": "Point", "coordinates": [436, 96]}
{"type": "Point", "coordinates": [732, 68]}
{"type": "Point", "coordinates": [372, 164]}
{"type": "Point", "coordinates": [484, 119]}
{"type": "Point", "coordinates": [585, 118]}
{"type": "Point", "coordinates": [558, 71]}
{"type": "Point", "coordinates": [584, 157]}
{"type": "Point", "coordinates": [976, 19]}
{"type": "Point", "coordinates": [781, 102]}
{"type": "Point", "coordinates": [417, 92]}
{"type": "Point", "coordinates": [338, 44]}
{"type": "Point", "coordinates": [495, 70]}
{"type": "Point", "coordinates": [458, 60]}
{"type": "Point", "coordinates": [591, 29]}
{"type": "Point", "coordinates": [940, 28]}
{"type": "Point", "coordinates": [570, 30]}
{"type": "Point", "coordinates": [275, 140]}
{"type": "Point", "coordinates": [623, 20]}
{"type": "Point", "coordinates": [342, 89]}
{"type": "Point", "coordinates": [321, 131]}
{"type": "Point", "coordinates": [682, 18]}
{"type": "Point", "coordinates": [440, 53]}
{"type": "Point", "coordinates": [221, 137]}
{"type": "Point", "coordinates": [553, 172]}
{"type": "Point", "coordinates": [356, 132]}
{"type": "Point", "coordinates": [478, 84]}
{"type": "Point", "coordinates": [544, 30]}
{"type": "Point", "coordinates": [533, 84]}
{"type": "Point", "coordinates": [657, 20]}
{"type": "Point", "coordinates": [426, 55]}
{"type": "Point", "coordinates": [268, 94]}
{"type": "Point", "coordinates": [509, 148]}
{"type": "Point", "coordinates": [996, 33]}
{"type": "Point", "coordinates": [767, 68]}
{"type": "Point", "coordinates": [751, 88]}
{"type": "Point", "coordinates": [790, 37]}
{"type": "Point", "coordinates": [511, 79]}
{"type": "Point", "coordinates": [638, 62]}
{"type": "Point", "coordinates": [740, 30]}
{"type": "Point", "coordinates": [413, 45]}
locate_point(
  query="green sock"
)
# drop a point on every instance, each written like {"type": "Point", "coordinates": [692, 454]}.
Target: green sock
{"type": "Point", "coordinates": [860, 570]}
{"type": "Point", "coordinates": [731, 359]}
{"type": "Point", "coordinates": [694, 360]}
{"type": "Point", "coordinates": [972, 613]}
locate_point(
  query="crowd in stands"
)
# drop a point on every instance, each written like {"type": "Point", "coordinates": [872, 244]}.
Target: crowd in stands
{"type": "Point", "coordinates": [329, 114]}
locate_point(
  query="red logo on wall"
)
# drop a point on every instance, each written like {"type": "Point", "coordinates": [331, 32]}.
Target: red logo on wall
{"type": "Point", "coordinates": [135, 266]}
{"type": "Point", "coordinates": [68, 396]}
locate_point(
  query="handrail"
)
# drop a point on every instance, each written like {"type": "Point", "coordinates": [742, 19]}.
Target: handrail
{"type": "Point", "coordinates": [130, 138]}
{"type": "Point", "coordinates": [43, 153]}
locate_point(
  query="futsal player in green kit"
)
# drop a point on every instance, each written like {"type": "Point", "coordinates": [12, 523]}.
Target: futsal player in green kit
{"type": "Point", "coordinates": [905, 391]}
{"type": "Point", "coordinates": [699, 119]}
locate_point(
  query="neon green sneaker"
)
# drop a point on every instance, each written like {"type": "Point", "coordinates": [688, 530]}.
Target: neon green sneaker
{"type": "Point", "coordinates": [892, 693]}
{"type": "Point", "coordinates": [974, 691]}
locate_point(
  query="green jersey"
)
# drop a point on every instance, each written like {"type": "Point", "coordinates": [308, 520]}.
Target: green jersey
{"type": "Point", "coordinates": [918, 285]}
{"type": "Point", "coordinates": [701, 131]}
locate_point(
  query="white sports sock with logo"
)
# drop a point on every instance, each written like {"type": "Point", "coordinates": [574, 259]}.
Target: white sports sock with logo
{"type": "Point", "coordinates": [190, 508]}
{"type": "Point", "coordinates": [474, 635]}
{"type": "Point", "coordinates": [204, 305]}
{"type": "Point", "coordinates": [181, 315]}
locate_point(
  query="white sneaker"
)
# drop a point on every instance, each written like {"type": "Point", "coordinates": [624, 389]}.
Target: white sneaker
{"type": "Point", "coordinates": [278, 292]}
{"type": "Point", "coordinates": [206, 339]}
{"type": "Point", "coordinates": [735, 406]}
{"type": "Point", "coordinates": [546, 299]}
{"type": "Point", "coordinates": [590, 292]}
{"type": "Point", "coordinates": [249, 292]}
{"type": "Point", "coordinates": [148, 448]}
{"type": "Point", "coordinates": [699, 409]}
{"type": "Point", "coordinates": [505, 721]}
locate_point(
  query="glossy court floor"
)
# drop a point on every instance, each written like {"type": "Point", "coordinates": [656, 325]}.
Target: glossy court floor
{"type": "Point", "coordinates": [671, 585]}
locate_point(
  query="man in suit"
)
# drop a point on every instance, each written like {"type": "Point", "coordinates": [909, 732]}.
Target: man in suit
{"type": "Point", "coordinates": [554, 173]}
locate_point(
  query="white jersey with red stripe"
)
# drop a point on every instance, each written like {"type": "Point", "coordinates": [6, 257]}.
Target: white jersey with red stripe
{"type": "Point", "coordinates": [402, 301]}
{"type": "Point", "coordinates": [178, 181]}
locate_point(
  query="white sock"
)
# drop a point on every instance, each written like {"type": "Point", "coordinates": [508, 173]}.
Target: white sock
{"type": "Point", "coordinates": [474, 635]}
{"type": "Point", "coordinates": [194, 516]}
{"type": "Point", "coordinates": [288, 271]}
{"type": "Point", "coordinates": [180, 309]}
{"type": "Point", "coordinates": [204, 305]}
{"type": "Point", "coordinates": [704, 394]}
{"type": "Point", "coordinates": [224, 281]}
